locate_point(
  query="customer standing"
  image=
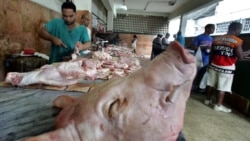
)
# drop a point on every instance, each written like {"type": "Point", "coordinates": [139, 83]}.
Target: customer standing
{"type": "Point", "coordinates": [165, 41]}
{"type": "Point", "coordinates": [225, 51]}
{"type": "Point", "coordinates": [180, 38]}
{"type": "Point", "coordinates": [65, 34]}
{"type": "Point", "coordinates": [85, 19]}
{"type": "Point", "coordinates": [156, 48]}
{"type": "Point", "coordinates": [204, 42]}
{"type": "Point", "coordinates": [133, 42]}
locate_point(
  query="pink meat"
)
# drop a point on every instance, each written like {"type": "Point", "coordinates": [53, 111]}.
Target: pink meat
{"type": "Point", "coordinates": [59, 74]}
{"type": "Point", "coordinates": [147, 105]}
{"type": "Point", "coordinates": [101, 55]}
{"type": "Point", "coordinates": [71, 72]}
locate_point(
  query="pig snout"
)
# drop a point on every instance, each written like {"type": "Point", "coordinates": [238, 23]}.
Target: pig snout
{"type": "Point", "coordinates": [186, 56]}
{"type": "Point", "coordinates": [172, 68]}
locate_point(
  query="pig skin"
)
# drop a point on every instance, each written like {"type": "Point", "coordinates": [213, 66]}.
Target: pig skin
{"type": "Point", "coordinates": [148, 105]}
{"type": "Point", "coordinates": [55, 74]}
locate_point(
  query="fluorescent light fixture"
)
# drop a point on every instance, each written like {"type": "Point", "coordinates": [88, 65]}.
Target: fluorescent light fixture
{"type": "Point", "coordinates": [124, 7]}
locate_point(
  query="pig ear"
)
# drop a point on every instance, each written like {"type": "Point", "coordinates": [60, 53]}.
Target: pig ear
{"type": "Point", "coordinates": [116, 107]}
{"type": "Point", "coordinates": [63, 101]}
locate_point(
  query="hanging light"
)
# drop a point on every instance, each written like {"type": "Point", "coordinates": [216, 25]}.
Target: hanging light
{"type": "Point", "coordinates": [124, 6]}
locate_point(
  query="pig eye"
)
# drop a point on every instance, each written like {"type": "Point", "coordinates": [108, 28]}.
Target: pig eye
{"type": "Point", "coordinates": [113, 109]}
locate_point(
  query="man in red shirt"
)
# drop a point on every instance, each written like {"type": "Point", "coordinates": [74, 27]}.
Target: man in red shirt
{"type": "Point", "coordinates": [225, 51]}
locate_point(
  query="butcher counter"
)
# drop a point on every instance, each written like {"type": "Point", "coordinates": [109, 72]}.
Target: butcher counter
{"type": "Point", "coordinates": [240, 99]}
{"type": "Point", "coordinates": [27, 112]}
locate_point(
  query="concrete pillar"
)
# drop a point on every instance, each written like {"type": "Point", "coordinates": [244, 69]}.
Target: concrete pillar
{"type": "Point", "coordinates": [110, 22]}
{"type": "Point", "coordinates": [183, 24]}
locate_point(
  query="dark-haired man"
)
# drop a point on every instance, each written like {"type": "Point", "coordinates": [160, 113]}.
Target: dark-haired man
{"type": "Point", "coordinates": [204, 42]}
{"type": "Point", "coordinates": [65, 34]}
{"type": "Point", "coordinates": [165, 41]}
{"type": "Point", "coordinates": [226, 49]}
{"type": "Point", "coordinates": [156, 46]}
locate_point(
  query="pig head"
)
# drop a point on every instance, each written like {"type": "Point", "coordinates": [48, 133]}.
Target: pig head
{"type": "Point", "coordinates": [147, 105]}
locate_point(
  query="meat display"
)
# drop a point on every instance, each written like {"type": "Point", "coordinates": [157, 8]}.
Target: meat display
{"type": "Point", "coordinates": [120, 51]}
{"type": "Point", "coordinates": [58, 74]}
{"type": "Point", "coordinates": [147, 105]}
{"type": "Point", "coordinates": [71, 72]}
{"type": "Point", "coordinates": [101, 55]}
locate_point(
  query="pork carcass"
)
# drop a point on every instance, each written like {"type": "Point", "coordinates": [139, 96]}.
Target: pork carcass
{"type": "Point", "coordinates": [73, 71]}
{"type": "Point", "coordinates": [58, 74]}
{"type": "Point", "coordinates": [147, 105]}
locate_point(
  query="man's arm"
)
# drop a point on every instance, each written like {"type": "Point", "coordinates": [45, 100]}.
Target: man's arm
{"type": "Point", "coordinates": [83, 46]}
{"type": "Point", "coordinates": [246, 53]}
{"type": "Point", "coordinates": [238, 52]}
{"type": "Point", "coordinates": [43, 33]}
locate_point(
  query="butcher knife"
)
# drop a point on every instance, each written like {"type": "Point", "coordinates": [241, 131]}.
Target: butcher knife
{"type": "Point", "coordinates": [70, 50]}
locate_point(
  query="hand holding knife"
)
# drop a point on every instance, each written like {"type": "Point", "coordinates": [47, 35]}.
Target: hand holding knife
{"type": "Point", "coordinates": [68, 49]}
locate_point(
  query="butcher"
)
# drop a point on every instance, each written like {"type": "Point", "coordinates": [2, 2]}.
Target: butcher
{"type": "Point", "coordinates": [65, 34]}
{"type": "Point", "coordinates": [148, 105]}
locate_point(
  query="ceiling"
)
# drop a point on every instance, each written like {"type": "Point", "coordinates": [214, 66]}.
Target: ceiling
{"type": "Point", "coordinates": [199, 8]}
{"type": "Point", "coordinates": [160, 6]}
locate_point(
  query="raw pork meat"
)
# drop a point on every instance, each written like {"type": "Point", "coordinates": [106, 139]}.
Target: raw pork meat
{"type": "Point", "coordinates": [147, 105]}
{"type": "Point", "coordinates": [101, 55]}
{"type": "Point", "coordinates": [71, 72]}
{"type": "Point", "coordinates": [58, 74]}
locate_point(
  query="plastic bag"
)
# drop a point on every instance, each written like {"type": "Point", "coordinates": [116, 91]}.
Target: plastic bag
{"type": "Point", "coordinates": [198, 57]}
{"type": "Point", "coordinates": [203, 82]}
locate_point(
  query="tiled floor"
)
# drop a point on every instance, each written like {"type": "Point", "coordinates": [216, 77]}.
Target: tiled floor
{"type": "Point", "coordinates": [202, 123]}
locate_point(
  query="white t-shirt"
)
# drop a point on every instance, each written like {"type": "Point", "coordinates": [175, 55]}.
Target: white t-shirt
{"type": "Point", "coordinates": [134, 44]}
{"type": "Point", "coordinates": [165, 41]}
{"type": "Point", "coordinates": [89, 33]}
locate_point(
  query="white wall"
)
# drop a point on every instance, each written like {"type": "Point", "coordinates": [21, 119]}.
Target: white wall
{"type": "Point", "coordinates": [55, 5]}
{"type": "Point", "coordinates": [227, 10]}
{"type": "Point", "coordinates": [173, 26]}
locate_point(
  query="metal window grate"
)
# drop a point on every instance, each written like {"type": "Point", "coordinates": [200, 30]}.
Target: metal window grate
{"type": "Point", "coordinates": [140, 24]}
{"type": "Point", "coordinates": [246, 25]}
{"type": "Point", "coordinates": [222, 27]}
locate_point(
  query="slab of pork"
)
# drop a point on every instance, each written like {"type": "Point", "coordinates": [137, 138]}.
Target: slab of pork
{"type": "Point", "coordinates": [73, 71]}
{"type": "Point", "coordinates": [58, 74]}
{"type": "Point", "coordinates": [147, 105]}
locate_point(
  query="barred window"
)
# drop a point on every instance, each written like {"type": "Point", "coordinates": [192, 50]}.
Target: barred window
{"type": "Point", "coordinates": [140, 24]}
{"type": "Point", "coordinates": [246, 25]}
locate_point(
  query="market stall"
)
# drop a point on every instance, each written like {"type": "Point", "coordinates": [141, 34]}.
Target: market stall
{"type": "Point", "coordinates": [27, 110]}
